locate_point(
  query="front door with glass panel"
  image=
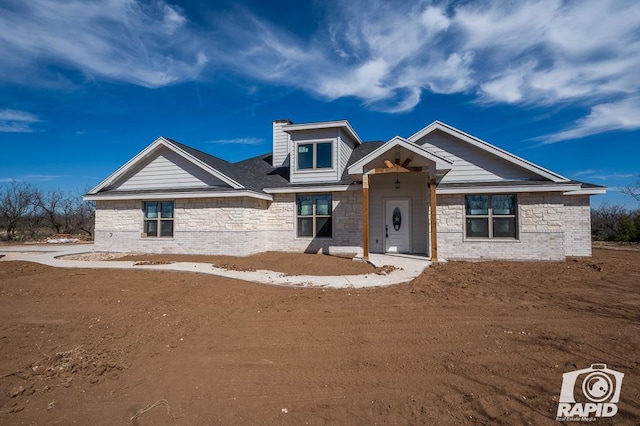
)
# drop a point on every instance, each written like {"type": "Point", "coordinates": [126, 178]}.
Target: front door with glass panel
{"type": "Point", "coordinates": [397, 226]}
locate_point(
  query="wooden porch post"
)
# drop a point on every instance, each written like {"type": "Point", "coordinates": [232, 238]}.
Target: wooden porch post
{"type": "Point", "coordinates": [365, 217]}
{"type": "Point", "coordinates": [434, 235]}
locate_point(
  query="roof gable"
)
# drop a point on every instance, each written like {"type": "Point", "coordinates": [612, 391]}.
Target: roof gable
{"type": "Point", "coordinates": [165, 169]}
{"type": "Point", "coordinates": [145, 170]}
{"type": "Point", "coordinates": [501, 161]}
{"type": "Point", "coordinates": [377, 156]}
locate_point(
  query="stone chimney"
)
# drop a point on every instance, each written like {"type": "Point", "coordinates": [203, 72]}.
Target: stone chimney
{"type": "Point", "coordinates": [281, 142]}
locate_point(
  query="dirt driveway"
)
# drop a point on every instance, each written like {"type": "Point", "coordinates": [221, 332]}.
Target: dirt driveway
{"type": "Point", "coordinates": [464, 343]}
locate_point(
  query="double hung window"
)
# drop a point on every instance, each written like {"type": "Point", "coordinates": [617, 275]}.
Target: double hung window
{"type": "Point", "coordinates": [158, 218]}
{"type": "Point", "coordinates": [314, 216]}
{"type": "Point", "coordinates": [491, 216]}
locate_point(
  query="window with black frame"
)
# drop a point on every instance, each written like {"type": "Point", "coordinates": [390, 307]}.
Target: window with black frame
{"type": "Point", "coordinates": [315, 155]}
{"type": "Point", "coordinates": [158, 218]}
{"type": "Point", "coordinates": [491, 216]}
{"type": "Point", "coordinates": [314, 215]}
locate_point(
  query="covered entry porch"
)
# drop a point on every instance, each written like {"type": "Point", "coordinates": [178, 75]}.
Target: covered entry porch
{"type": "Point", "coordinates": [399, 182]}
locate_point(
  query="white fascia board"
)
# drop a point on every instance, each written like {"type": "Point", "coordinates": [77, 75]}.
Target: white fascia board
{"type": "Point", "coordinates": [323, 125]}
{"type": "Point", "coordinates": [122, 170]}
{"type": "Point", "coordinates": [178, 195]}
{"type": "Point", "coordinates": [507, 189]}
{"type": "Point", "coordinates": [441, 163]}
{"type": "Point", "coordinates": [148, 150]}
{"type": "Point", "coordinates": [506, 155]}
{"type": "Point", "coordinates": [587, 191]}
{"type": "Point", "coordinates": [311, 189]}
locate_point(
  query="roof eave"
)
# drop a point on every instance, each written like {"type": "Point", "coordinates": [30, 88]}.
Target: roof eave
{"type": "Point", "coordinates": [323, 125]}
{"type": "Point", "coordinates": [312, 189]}
{"type": "Point", "coordinates": [114, 196]}
{"type": "Point", "coordinates": [587, 191]}
{"type": "Point", "coordinates": [504, 189]}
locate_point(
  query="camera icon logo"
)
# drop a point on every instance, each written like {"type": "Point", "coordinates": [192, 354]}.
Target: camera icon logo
{"type": "Point", "coordinates": [590, 392]}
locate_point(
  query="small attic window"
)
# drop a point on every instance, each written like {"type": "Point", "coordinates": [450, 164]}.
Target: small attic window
{"type": "Point", "coordinates": [316, 155]}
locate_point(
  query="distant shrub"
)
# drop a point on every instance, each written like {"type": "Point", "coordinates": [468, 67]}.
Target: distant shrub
{"type": "Point", "coordinates": [615, 223]}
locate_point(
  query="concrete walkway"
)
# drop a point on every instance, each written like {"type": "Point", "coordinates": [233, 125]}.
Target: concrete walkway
{"type": "Point", "coordinates": [407, 267]}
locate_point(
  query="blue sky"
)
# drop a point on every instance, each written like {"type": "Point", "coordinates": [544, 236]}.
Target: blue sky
{"type": "Point", "coordinates": [85, 85]}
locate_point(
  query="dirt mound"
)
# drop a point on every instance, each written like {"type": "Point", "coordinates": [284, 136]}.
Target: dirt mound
{"type": "Point", "coordinates": [95, 256]}
{"type": "Point", "coordinates": [82, 362]}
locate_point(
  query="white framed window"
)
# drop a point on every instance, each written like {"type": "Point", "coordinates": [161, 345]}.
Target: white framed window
{"type": "Point", "coordinates": [491, 216]}
{"type": "Point", "coordinates": [314, 215]}
{"type": "Point", "coordinates": [158, 218]}
{"type": "Point", "coordinates": [314, 155]}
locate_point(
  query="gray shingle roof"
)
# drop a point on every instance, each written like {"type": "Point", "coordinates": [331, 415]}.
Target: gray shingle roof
{"type": "Point", "coordinates": [257, 173]}
{"type": "Point", "coordinates": [223, 166]}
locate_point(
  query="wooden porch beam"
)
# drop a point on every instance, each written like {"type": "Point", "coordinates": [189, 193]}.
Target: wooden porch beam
{"type": "Point", "coordinates": [434, 235]}
{"type": "Point", "coordinates": [365, 218]}
{"type": "Point", "coordinates": [395, 169]}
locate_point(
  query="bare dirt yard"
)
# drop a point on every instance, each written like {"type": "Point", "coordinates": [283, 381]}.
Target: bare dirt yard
{"type": "Point", "coordinates": [464, 343]}
{"type": "Point", "coordinates": [288, 263]}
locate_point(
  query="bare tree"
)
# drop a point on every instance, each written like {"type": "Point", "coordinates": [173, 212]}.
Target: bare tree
{"type": "Point", "coordinates": [27, 211]}
{"type": "Point", "coordinates": [80, 215]}
{"type": "Point", "coordinates": [17, 203]}
{"type": "Point", "coordinates": [53, 205]}
{"type": "Point", "coordinates": [633, 190]}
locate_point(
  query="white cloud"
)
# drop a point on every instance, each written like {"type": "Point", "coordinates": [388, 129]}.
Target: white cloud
{"type": "Point", "coordinates": [238, 141]}
{"type": "Point", "coordinates": [13, 121]}
{"type": "Point", "coordinates": [41, 178]}
{"type": "Point", "coordinates": [146, 44]}
{"type": "Point", "coordinates": [14, 115]}
{"type": "Point", "coordinates": [574, 51]}
{"type": "Point", "coordinates": [504, 29]}
{"type": "Point", "coordinates": [384, 54]}
{"type": "Point", "coordinates": [622, 115]}
{"type": "Point", "coordinates": [31, 178]}
{"type": "Point", "coordinates": [585, 172]}
{"type": "Point", "coordinates": [387, 54]}
{"type": "Point", "coordinates": [365, 80]}
{"type": "Point", "coordinates": [506, 88]}
{"type": "Point", "coordinates": [536, 52]}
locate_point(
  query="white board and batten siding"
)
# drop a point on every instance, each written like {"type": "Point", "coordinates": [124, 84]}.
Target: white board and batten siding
{"type": "Point", "coordinates": [165, 170]}
{"type": "Point", "coordinates": [472, 164]}
{"type": "Point", "coordinates": [281, 144]}
{"type": "Point", "coordinates": [346, 147]}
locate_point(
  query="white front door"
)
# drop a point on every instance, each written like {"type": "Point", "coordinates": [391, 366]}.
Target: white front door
{"type": "Point", "coordinates": [397, 226]}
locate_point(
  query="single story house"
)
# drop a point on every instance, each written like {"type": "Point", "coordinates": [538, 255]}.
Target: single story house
{"type": "Point", "coordinates": [440, 192]}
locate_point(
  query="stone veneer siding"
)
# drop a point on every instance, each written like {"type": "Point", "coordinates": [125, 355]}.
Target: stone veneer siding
{"type": "Point", "coordinates": [577, 226]}
{"type": "Point", "coordinates": [213, 226]}
{"type": "Point", "coordinates": [347, 225]}
{"type": "Point", "coordinates": [230, 226]}
{"type": "Point", "coordinates": [551, 226]}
